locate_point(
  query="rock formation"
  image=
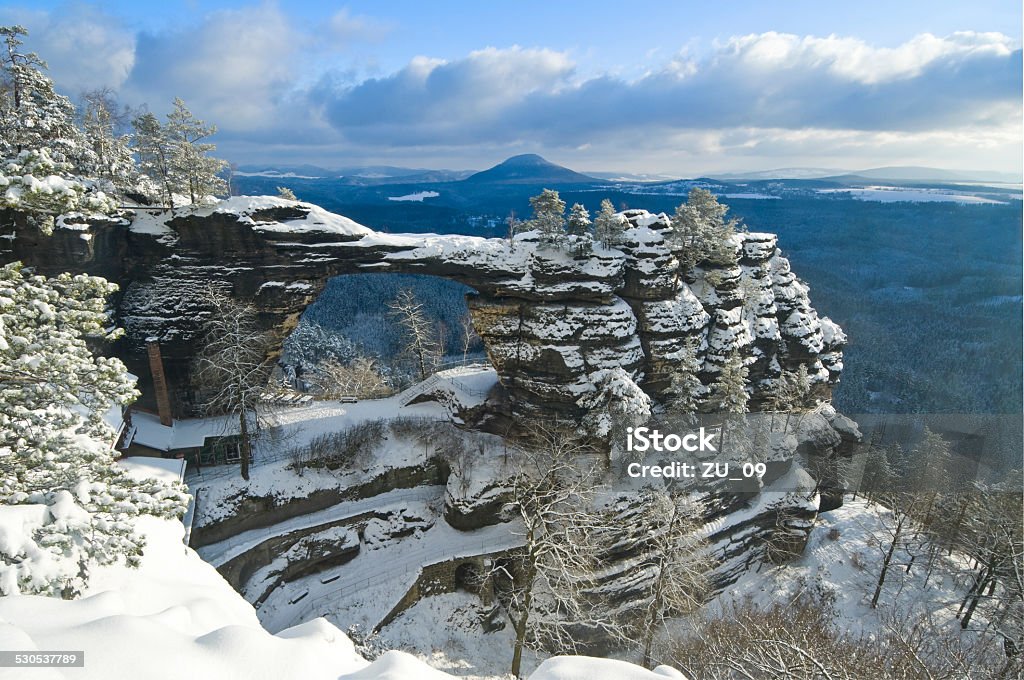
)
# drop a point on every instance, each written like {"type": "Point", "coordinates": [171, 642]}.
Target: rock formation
{"type": "Point", "coordinates": [551, 322]}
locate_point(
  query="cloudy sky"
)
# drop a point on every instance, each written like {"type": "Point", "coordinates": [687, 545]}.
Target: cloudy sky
{"type": "Point", "coordinates": [662, 87]}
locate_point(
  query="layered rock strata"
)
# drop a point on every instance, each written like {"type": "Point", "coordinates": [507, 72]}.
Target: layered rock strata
{"type": "Point", "coordinates": [552, 322]}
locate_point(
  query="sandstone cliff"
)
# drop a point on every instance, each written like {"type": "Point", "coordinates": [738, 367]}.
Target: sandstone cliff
{"type": "Point", "coordinates": [552, 323]}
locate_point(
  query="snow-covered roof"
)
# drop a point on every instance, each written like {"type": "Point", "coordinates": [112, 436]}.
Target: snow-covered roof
{"type": "Point", "coordinates": [163, 469]}
{"type": "Point", "coordinates": [182, 434]}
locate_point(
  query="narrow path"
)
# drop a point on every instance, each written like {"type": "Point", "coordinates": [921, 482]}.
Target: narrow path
{"type": "Point", "coordinates": [219, 553]}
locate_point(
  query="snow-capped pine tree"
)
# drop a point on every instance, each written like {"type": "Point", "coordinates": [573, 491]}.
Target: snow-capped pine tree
{"type": "Point", "coordinates": [791, 391]}
{"type": "Point", "coordinates": [111, 153]}
{"type": "Point", "coordinates": [616, 404]}
{"type": "Point", "coordinates": [154, 151]}
{"type": "Point", "coordinates": [878, 475]}
{"type": "Point", "coordinates": [608, 228]}
{"type": "Point", "coordinates": [192, 169]}
{"type": "Point", "coordinates": [701, 231]}
{"type": "Point", "coordinates": [728, 393]}
{"type": "Point", "coordinates": [685, 385]}
{"type": "Point", "coordinates": [548, 217]}
{"type": "Point", "coordinates": [579, 229]}
{"type": "Point", "coordinates": [55, 448]}
{"type": "Point", "coordinates": [32, 115]}
{"type": "Point", "coordinates": [40, 147]}
{"type": "Point", "coordinates": [579, 220]}
{"type": "Point", "coordinates": [286, 193]}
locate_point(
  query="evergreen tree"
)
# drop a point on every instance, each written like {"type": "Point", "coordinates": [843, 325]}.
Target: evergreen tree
{"type": "Point", "coordinates": [154, 151]}
{"type": "Point", "coordinates": [55, 448]}
{"type": "Point", "coordinates": [33, 117]}
{"type": "Point", "coordinates": [111, 153]}
{"type": "Point", "coordinates": [191, 168]}
{"type": "Point", "coordinates": [548, 217]}
{"type": "Point", "coordinates": [702, 232]}
{"type": "Point", "coordinates": [579, 229]}
{"type": "Point", "coordinates": [791, 390]}
{"type": "Point", "coordinates": [878, 476]}
{"type": "Point", "coordinates": [40, 147]}
{"type": "Point", "coordinates": [728, 393]}
{"type": "Point", "coordinates": [685, 385]}
{"type": "Point", "coordinates": [608, 227]}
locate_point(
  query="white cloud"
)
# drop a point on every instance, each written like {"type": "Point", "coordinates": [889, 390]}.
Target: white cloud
{"type": "Point", "coordinates": [84, 47]}
{"type": "Point", "coordinates": [853, 59]}
{"type": "Point", "coordinates": [236, 68]}
{"type": "Point", "coordinates": [348, 27]}
{"type": "Point", "coordinates": [282, 90]}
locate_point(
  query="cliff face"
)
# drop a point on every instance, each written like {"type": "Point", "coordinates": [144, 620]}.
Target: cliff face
{"type": "Point", "coordinates": [551, 322]}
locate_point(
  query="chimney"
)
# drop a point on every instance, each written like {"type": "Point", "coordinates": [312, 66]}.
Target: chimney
{"type": "Point", "coordinates": [156, 368]}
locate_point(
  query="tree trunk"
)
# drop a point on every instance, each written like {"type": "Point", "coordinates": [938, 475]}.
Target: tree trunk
{"type": "Point", "coordinates": [979, 579]}
{"type": "Point", "coordinates": [652, 621]}
{"type": "Point", "coordinates": [246, 444]}
{"type": "Point", "coordinates": [966, 621]}
{"type": "Point", "coordinates": [524, 616]}
{"type": "Point", "coordinates": [885, 564]}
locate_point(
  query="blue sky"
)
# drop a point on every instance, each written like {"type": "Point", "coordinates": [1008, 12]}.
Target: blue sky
{"type": "Point", "coordinates": [663, 87]}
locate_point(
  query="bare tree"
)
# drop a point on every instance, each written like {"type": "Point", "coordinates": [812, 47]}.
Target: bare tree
{"type": "Point", "coordinates": [796, 640]}
{"type": "Point", "coordinates": [232, 367]}
{"type": "Point", "coordinates": [671, 548]}
{"type": "Point", "coordinates": [896, 527]}
{"type": "Point", "coordinates": [421, 341]}
{"type": "Point", "coordinates": [469, 334]}
{"type": "Point", "coordinates": [993, 535]}
{"type": "Point", "coordinates": [359, 378]}
{"type": "Point", "coordinates": [551, 493]}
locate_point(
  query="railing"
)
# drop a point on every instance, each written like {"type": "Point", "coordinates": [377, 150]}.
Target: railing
{"type": "Point", "coordinates": [416, 390]}
{"type": "Point", "coordinates": [223, 470]}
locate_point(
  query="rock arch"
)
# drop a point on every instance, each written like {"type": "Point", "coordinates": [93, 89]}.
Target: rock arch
{"type": "Point", "coordinates": [550, 322]}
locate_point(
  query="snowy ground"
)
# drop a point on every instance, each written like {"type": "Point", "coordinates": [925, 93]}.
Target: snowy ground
{"type": "Point", "coordinates": [295, 426]}
{"type": "Point", "coordinates": [445, 632]}
{"type": "Point", "coordinates": [363, 591]}
{"type": "Point", "coordinates": [847, 567]}
{"type": "Point", "coordinates": [175, 617]}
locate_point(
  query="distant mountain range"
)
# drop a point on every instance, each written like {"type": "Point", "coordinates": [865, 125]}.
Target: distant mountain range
{"type": "Point", "coordinates": [895, 173]}
{"type": "Point", "coordinates": [367, 175]}
{"type": "Point", "coordinates": [534, 169]}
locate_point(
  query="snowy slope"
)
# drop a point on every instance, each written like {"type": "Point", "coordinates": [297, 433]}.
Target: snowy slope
{"type": "Point", "coordinates": [175, 617]}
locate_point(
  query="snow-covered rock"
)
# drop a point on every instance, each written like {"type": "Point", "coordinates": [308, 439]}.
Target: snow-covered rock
{"type": "Point", "coordinates": [551, 320]}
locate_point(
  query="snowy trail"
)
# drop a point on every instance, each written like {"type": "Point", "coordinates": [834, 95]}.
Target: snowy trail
{"type": "Point", "coordinates": [377, 579]}
{"type": "Point", "coordinates": [219, 553]}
